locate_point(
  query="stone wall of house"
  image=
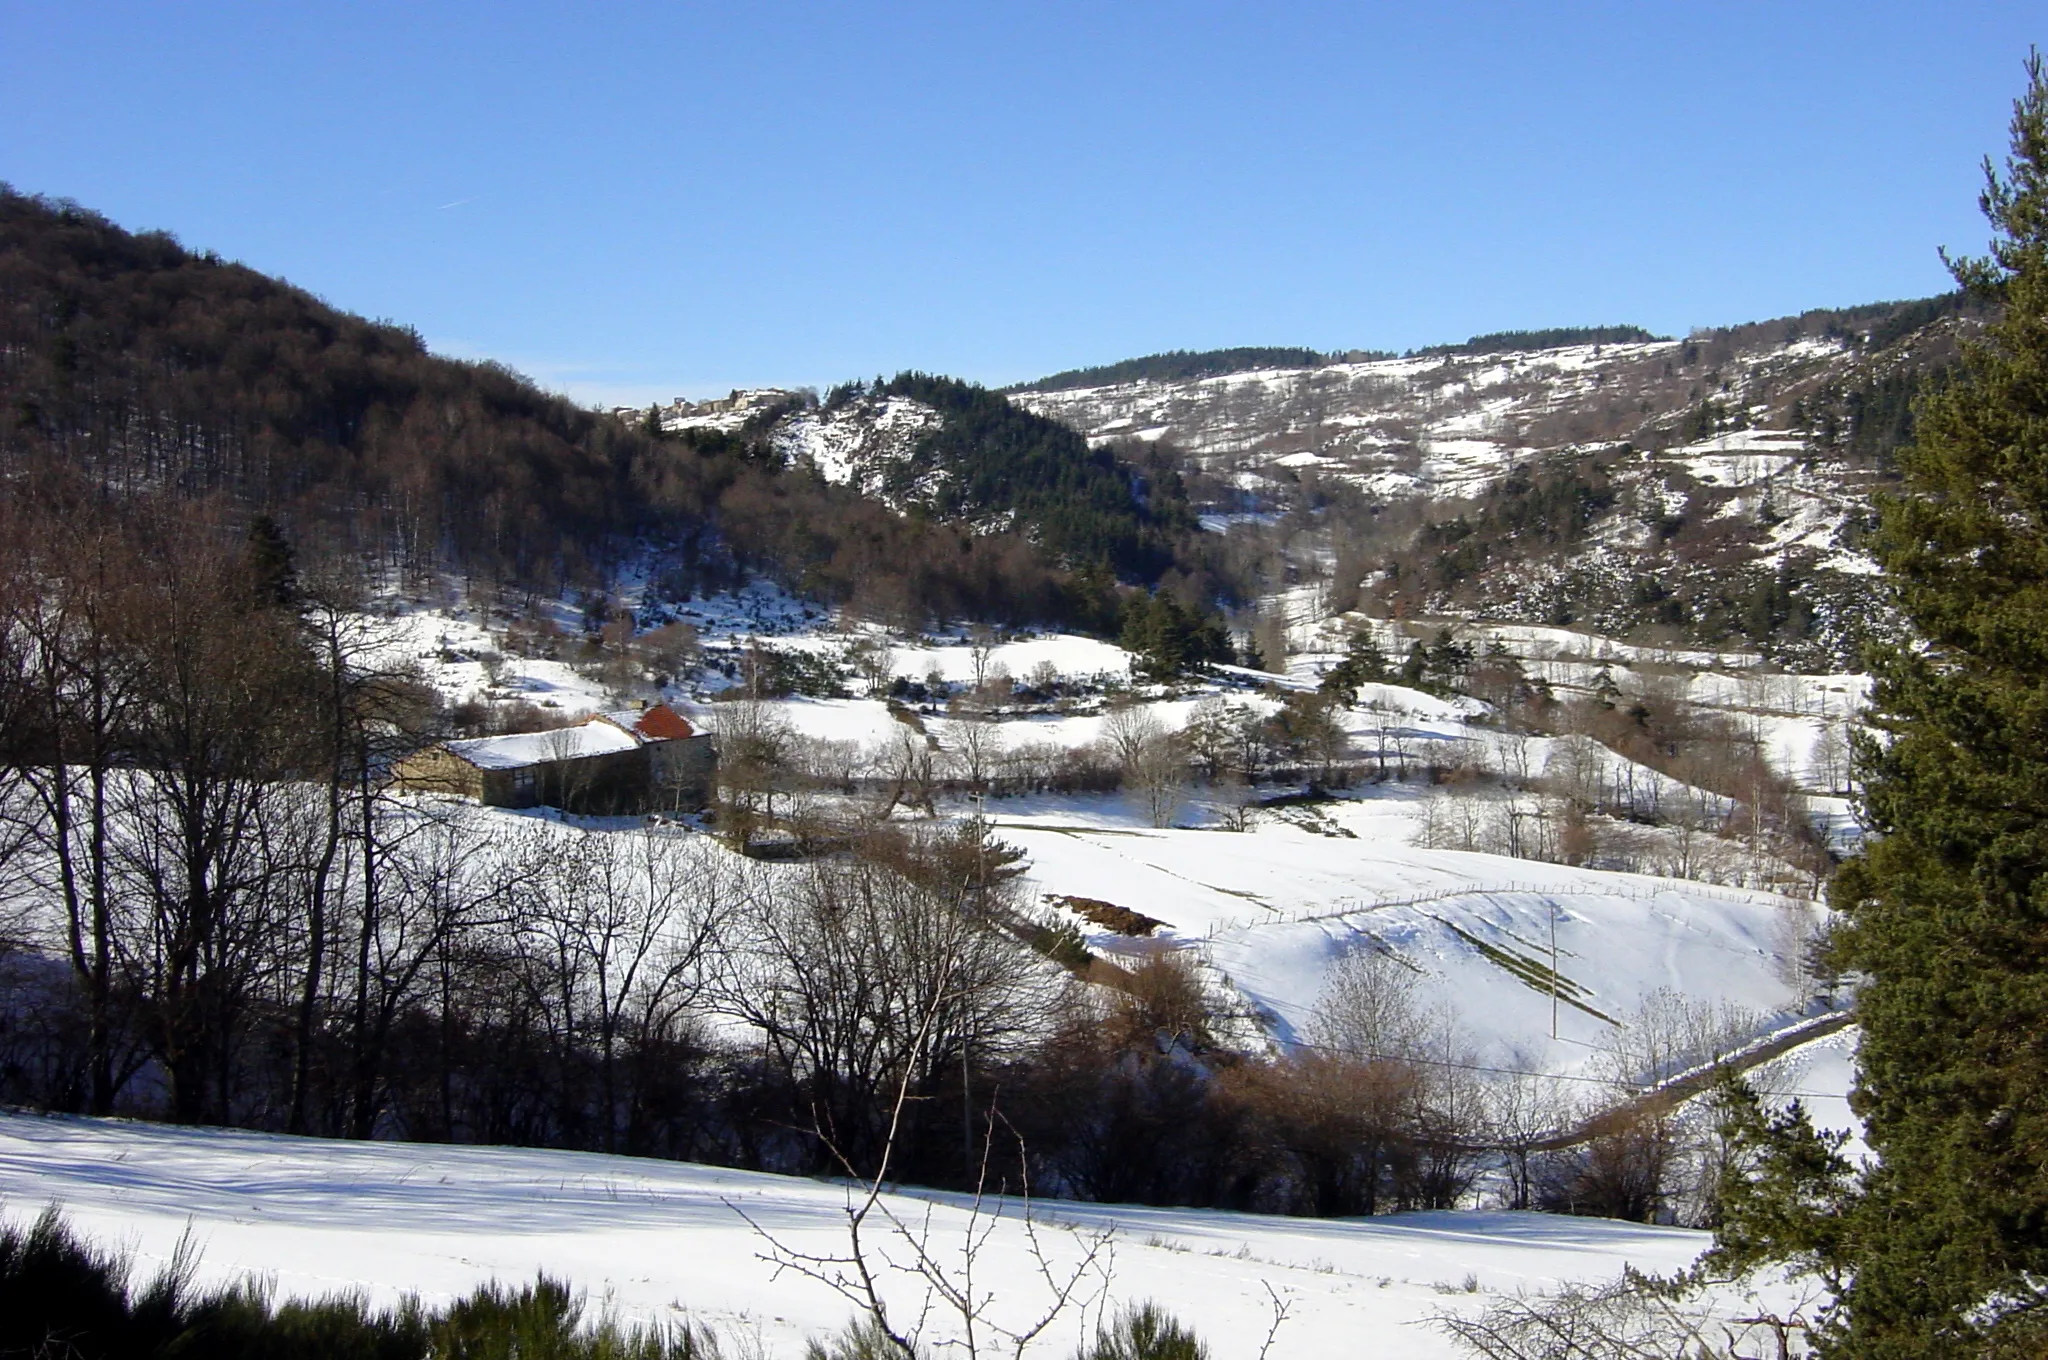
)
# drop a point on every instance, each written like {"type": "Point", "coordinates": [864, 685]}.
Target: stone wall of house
{"type": "Point", "coordinates": [435, 770]}
{"type": "Point", "coordinates": [608, 785]}
{"type": "Point", "coordinates": [684, 772]}
{"type": "Point", "coordinates": [668, 776]}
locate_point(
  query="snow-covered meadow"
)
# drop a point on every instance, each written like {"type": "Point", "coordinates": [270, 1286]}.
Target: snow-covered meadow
{"type": "Point", "coordinates": [1270, 912]}
{"type": "Point", "coordinates": [651, 1240]}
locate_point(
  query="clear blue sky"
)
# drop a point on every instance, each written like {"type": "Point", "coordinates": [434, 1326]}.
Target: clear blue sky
{"type": "Point", "coordinates": [637, 201]}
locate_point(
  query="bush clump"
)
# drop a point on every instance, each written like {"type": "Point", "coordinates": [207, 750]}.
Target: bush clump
{"type": "Point", "coordinates": [1144, 1332]}
{"type": "Point", "coordinates": [61, 1296]}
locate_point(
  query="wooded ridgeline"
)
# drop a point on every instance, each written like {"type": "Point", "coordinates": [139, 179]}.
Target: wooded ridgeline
{"type": "Point", "coordinates": [139, 365]}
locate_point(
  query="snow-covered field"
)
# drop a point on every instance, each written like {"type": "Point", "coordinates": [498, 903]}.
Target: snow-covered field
{"type": "Point", "coordinates": [1819, 1075]}
{"type": "Point", "coordinates": [654, 1240]}
{"type": "Point", "coordinates": [1271, 911]}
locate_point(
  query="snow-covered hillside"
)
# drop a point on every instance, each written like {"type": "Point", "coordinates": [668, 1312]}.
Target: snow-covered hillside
{"type": "Point", "coordinates": [655, 1241]}
{"type": "Point", "coordinates": [1712, 486]}
{"type": "Point", "coordinates": [1445, 427]}
{"type": "Point", "coordinates": [859, 444]}
{"type": "Point", "coordinates": [1270, 912]}
{"type": "Point", "coordinates": [1419, 427]}
{"type": "Point", "coordinates": [1399, 866]}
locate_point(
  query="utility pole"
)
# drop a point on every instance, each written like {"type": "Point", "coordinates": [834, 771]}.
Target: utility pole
{"type": "Point", "coordinates": [1552, 904]}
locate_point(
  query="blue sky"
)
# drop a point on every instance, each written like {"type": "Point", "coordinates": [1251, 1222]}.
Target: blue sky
{"type": "Point", "coordinates": [638, 201]}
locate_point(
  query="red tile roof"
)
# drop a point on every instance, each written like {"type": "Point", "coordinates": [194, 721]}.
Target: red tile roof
{"type": "Point", "coordinates": [662, 723]}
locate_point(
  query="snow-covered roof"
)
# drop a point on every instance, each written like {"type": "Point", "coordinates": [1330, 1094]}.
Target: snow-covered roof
{"type": "Point", "coordinates": [538, 748]}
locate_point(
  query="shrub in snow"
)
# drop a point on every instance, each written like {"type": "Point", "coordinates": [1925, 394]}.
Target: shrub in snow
{"type": "Point", "coordinates": [61, 1296]}
{"type": "Point", "coordinates": [1145, 1332]}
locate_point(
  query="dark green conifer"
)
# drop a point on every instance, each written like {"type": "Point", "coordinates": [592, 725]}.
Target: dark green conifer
{"type": "Point", "coordinates": [1170, 640]}
{"type": "Point", "coordinates": [1415, 670]}
{"type": "Point", "coordinates": [1363, 663]}
{"type": "Point", "coordinates": [271, 564]}
{"type": "Point", "coordinates": [1947, 1243]}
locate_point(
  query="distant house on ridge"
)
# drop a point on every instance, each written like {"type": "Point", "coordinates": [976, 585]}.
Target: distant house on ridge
{"type": "Point", "coordinates": [610, 764]}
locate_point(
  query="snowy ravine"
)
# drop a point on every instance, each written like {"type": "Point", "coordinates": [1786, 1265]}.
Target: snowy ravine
{"type": "Point", "coordinates": [652, 1240]}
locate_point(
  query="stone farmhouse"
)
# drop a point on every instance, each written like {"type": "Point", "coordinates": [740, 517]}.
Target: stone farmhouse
{"type": "Point", "coordinates": [610, 764]}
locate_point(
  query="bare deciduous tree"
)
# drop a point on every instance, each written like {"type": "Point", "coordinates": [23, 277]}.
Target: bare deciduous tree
{"type": "Point", "coordinates": [1127, 729]}
{"type": "Point", "coordinates": [620, 928]}
{"type": "Point", "coordinates": [881, 1241]}
{"type": "Point", "coordinates": [1370, 1006]}
{"type": "Point", "coordinates": [754, 743]}
{"type": "Point", "coordinates": [1625, 1319]}
{"type": "Point", "coordinates": [1523, 1111]}
{"type": "Point", "coordinates": [1831, 766]}
{"type": "Point", "coordinates": [854, 974]}
{"type": "Point", "coordinates": [981, 649]}
{"type": "Point", "coordinates": [873, 658]}
{"type": "Point", "coordinates": [909, 764]}
{"type": "Point", "coordinates": [1153, 760]}
{"type": "Point", "coordinates": [973, 746]}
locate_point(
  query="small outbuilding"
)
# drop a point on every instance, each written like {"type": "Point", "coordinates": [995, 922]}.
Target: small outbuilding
{"type": "Point", "coordinates": [650, 760]}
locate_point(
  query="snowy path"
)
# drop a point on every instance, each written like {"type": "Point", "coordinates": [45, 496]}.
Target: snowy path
{"type": "Point", "coordinates": [647, 1237]}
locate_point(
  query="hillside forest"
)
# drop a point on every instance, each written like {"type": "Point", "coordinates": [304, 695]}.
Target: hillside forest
{"type": "Point", "coordinates": [136, 364]}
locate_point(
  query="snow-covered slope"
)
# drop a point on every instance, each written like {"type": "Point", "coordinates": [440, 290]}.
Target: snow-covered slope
{"type": "Point", "coordinates": [1700, 486]}
{"type": "Point", "coordinates": [1431, 427]}
{"type": "Point", "coordinates": [1393, 865]}
{"type": "Point", "coordinates": [655, 1240]}
{"type": "Point", "coordinates": [858, 444]}
{"type": "Point", "coordinates": [1271, 911]}
{"type": "Point", "coordinates": [1819, 1075]}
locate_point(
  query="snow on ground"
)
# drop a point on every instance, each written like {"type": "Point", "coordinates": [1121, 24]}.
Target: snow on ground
{"type": "Point", "coordinates": [1068, 654]}
{"type": "Point", "coordinates": [1423, 425]}
{"type": "Point", "coordinates": [452, 648]}
{"type": "Point", "coordinates": [651, 1240]}
{"type": "Point", "coordinates": [462, 658]}
{"type": "Point", "coordinates": [1539, 642]}
{"type": "Point", "coordinates": [758, 609]}
{"type": "Point", "coordinates": [865, 722]}
{"type": "Point", "coordinates": [1791, 713]}
{"type": "Point", "coordinates": [859, 444]}
{"type": "Point", "coordinates": [1477, 925]}
{"type": "Point", "coordinates": [1219, 524]}
{"type": "Point", "coordinates": [1819, 1075]}
{"type": "Point", "coordinates": [1742, 459]}
{"type": "Point", "coordinates": [1268, 912]}
{"type": "Point", "coordinates": [1272, 910]}
{"type": "Point", "coordinates": [726, 414]}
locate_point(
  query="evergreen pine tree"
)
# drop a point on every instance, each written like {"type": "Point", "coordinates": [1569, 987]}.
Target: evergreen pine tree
{"type": "Point", "coordinates": [1169, 640]}
{"type": "Point", "coordinates": [271, 564]}
{"type": "Point", "coordinates": [1415, 670]}
{"type": "Point", "coordinates": [1947, 1243]}
{"type": "Point", "coordinates": [1363, 663]}
{"type": "Point", "coordinates": [1141, 636]}
{"type": "Point", "coordinates": [1367, 662]}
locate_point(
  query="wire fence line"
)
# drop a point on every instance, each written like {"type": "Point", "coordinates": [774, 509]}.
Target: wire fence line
{"type": "Point", "coordinates": [1633, 892]}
